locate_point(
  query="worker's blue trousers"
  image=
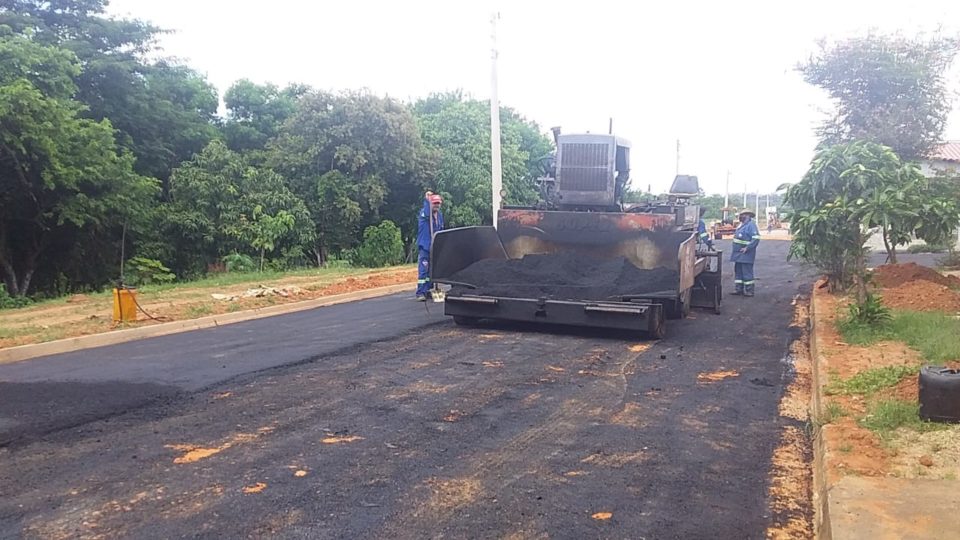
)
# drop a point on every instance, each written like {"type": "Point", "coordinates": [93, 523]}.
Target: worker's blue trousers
{"type": "Point", "coordinates": [423, 272]}
{"type": "Point", "coordinates": [743, 277]}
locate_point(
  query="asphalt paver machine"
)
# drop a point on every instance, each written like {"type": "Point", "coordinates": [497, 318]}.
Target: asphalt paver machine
{"type": "Point", "coordinates": [581, 212]}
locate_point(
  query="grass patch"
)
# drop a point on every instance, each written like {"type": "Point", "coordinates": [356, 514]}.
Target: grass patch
{"type": "Point", "coordinates": [227, 279]}
{"type": "Point", "coordinates": [870, 381]}
{"type": "Point", "coordinates": [337, 269]}
{"type": "Point", "coordinates": [888, 415]}
{"type": "Point", "coordinates": [830, 413]}
{"type": "Point", "coordinates": [199, 310]}
{"type": "Point", "coordinates": [933, 334]}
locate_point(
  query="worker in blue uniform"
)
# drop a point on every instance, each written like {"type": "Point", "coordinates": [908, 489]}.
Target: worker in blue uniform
{"type": "Point", "coordinates": [703, 237]}
{"type": "Point", "coordinates": [429, 222]}
{"type": "Point", "coordinates": [744, 253]}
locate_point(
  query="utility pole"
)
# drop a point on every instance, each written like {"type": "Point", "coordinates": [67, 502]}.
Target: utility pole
{"type": "Point", "coordinates": [726, 195]}
{"type": "Point", "coordinates": [758, 206]}
{"type": "Point", "coordinates": [744, 207]}
{"type": "Point", "coordinates": [495, 165]}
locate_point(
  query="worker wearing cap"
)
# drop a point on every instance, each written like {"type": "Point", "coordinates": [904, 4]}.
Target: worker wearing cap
{"type": "Point", "coordinates": [744, 253]}
{"type": "Point", "coordinates": [703, 237]}
{"type": "Point", "coordinates": [429, 222]}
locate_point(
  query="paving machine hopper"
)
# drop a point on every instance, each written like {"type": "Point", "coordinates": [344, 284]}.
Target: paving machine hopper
{"type": "Point", "coordinates": [578, 258]}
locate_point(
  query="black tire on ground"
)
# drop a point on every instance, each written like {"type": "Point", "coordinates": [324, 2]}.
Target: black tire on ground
{"type": "Point", "coordinates": [939, 394]}
{"type": "Point", "coordinates": [659, 329]}
{"type": "Point", "coordinates": [465, 321]}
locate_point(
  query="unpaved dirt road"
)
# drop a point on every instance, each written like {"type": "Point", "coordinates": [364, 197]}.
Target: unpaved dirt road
{"type": "Point", "coordinates": [376, 420]}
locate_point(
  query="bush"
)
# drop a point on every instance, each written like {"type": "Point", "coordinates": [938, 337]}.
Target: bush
{"type": "Point", "coordinates": [926, 248]}
{"type": "Point", "coordinates": [238, 262]}
{"type": "Point", "coordinates": [12, 302]}
{"type": "Point", "coordinates": [872, 312]}
{"type": "Point", "coordinates": [382, 246]}
{"type": "Point", "coordinates": [950, 260]}
{"type": "Point", "coordinates": [144, 271]}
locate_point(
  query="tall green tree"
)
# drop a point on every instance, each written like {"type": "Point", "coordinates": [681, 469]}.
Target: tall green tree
{"type": "Point", "coordinates": [888, 89]}
{"type": "Point", "coordinates": [852, 188]}
{"type": "Point", "coordinates": [220, 205]}
{"type": "Point", "coordinates": [62, 177]}
{"type": "Point", "coordinates": [164, 112]}
{"type": "Point", "coordinates": [372, 145]}
{"type": "Point", "coordinates": [457, 131]}
{"type": "Point", "coordinates": [256, 112]}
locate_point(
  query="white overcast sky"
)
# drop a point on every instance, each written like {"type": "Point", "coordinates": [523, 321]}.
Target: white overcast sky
{"type": "Point", "coordinates": [717, 75]}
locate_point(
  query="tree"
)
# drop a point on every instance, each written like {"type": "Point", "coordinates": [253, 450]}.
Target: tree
{"type": "Point", "coordinates": [713, 205]}
{"type": "Point", "coordinates": [256, 112]}
{"type": "Point", "coordinates": [457, 132]}
{"type": "Point", "coordinates": [887, 89]}
{"type": "Point", "coordinates": [851, 188]}
{"type": "Point", "coordinates": [163, 111]}
{"type": "Point", "coordinates": [264, 230]}
{"type": "Point", "coordinates": [381, 246]}
{"type": "Point", "coordinates": [62, 177]}
{"type": "Point", "coordinates": [220, 204]}
{"type": "Point", "coordinates": [371, 146]}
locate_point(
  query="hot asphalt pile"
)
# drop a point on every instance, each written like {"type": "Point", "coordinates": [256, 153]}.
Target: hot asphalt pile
{"type": "Point", "coordinates": [563, 276]}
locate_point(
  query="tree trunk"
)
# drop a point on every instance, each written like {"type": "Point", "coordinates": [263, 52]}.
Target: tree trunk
{"type": "Point", "coordinates": [10, 278]}
{"type": "Point", "coordinates": [25, 283]}
{"type": "Point", "coordinates": [859, 284]}
{"type": "Point", "coordinates": [891, 251]}
{"type": "Point", "coordinates": [262, 251]}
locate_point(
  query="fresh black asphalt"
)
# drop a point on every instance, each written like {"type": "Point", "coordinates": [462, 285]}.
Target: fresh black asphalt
{"type": "Point", "coordinates": [377, 419]}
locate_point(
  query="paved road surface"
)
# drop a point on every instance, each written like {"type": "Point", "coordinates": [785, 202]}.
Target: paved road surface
{"type": "Point", "coordinates": [377, 420]}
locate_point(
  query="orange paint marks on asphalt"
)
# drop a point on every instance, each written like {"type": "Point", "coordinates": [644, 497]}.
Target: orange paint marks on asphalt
{"type": "Point", "coordinates": [193, 453]}
{"type": "Point", "coordinates": [337, 439]}
{"type": "Point", "coordinates": [716, 376]}
{"type": "Point", "coordinates": [256, 488]}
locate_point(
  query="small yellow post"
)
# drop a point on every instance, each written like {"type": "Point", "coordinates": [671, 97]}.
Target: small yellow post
{"type": "Point", "coordinates": [124, 305]}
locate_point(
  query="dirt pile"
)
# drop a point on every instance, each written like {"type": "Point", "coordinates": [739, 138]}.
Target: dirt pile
{"type": "Point", "coordinates": [922, 295]}
{"type": "Point", "coordinates": [563, 276]}
{"type": "Point", "coordinates": [894, 275]}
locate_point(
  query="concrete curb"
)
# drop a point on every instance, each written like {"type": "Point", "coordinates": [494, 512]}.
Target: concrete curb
{"type": "Point", "coordinates": [821, 496]}
{"type": "Point", "coordinates": [26, 352]}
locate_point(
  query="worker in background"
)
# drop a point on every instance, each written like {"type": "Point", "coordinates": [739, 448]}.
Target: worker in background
{"type": "Point", "coordinates": [744, 252]}
{"type": "Point", "coordinates": [429, 222]}
{"type": "Point", "coordinates": [703, 237]}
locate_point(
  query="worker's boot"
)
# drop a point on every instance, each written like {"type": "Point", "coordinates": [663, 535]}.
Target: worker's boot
{"type": "Point", "coordinates": [738, 291]}
{"type": "Point", "coordinates": [748, 290]}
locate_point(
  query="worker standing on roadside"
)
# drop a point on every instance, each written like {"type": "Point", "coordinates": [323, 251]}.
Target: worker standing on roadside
{"type": "Point", "coordinates": [703, 237]}
{"type": "Point", "coordinates": [744, 253]}
{"type": "Point", "coordinates": [429, 222]}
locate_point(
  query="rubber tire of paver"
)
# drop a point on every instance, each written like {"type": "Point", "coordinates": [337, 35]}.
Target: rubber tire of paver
{"type": "Point", "coordinates": [939, 394]}
{"type": "Point", "coordinates": [465, 321]}
{"type": "Point", "coordinates": [659, 329]}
